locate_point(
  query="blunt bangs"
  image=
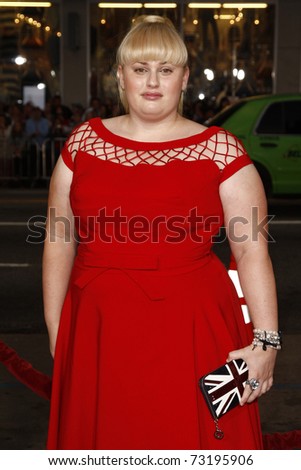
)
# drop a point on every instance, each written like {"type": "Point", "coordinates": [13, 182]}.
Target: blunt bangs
{"type": "Point", "coordinates": [152, 41]}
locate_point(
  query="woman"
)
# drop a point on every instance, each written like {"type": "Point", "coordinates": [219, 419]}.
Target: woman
{"type": "Point", "coordinates": [142, 305]}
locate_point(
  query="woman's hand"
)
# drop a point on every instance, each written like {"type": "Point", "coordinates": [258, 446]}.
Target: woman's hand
{"type": "Point", "coordinates": [261, 367]}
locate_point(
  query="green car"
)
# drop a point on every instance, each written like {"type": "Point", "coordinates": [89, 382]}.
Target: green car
{"type": "Point", "coordinates": [270, 128]}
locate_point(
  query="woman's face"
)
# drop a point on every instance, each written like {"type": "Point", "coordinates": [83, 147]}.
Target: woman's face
{"type": "Point", "coordinates": [153, 88]}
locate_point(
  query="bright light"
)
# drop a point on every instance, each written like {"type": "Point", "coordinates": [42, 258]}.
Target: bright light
{"type": "Point", "coordinates": [52, 73]}
{"type": "Point", "coordinates": [120, 5]}
{"type": "Point", "coordinates": [41, 86]}
{"type": "Point", "coordinates": [209, 74]}
{"type": "Point", "coordinates": [20, 60]}
{"type": "Point", "coordinates": [245, 5]}
{"type": "Point", "coordinates": [241, 74]}
{"type": "Point", "coordinates": [25, 4]}
{"type": "Point", "coordinates": [160, 5]}
{"type": "Point", "coordinates": [204, 5]}
{"type": "Point", "coordinates": [201, 96]}
{"type": "Point", "coordinates": [226, 17]}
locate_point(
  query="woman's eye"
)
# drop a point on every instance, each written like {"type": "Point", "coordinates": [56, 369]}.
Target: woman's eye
{"type": "Point", "coordinates": [166, 71]}
{"type": "Point", "coordinates": [140, 70]}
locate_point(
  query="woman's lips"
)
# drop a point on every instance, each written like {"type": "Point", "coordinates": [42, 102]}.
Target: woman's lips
{"type": "Point", "coordinates": [152, 96]}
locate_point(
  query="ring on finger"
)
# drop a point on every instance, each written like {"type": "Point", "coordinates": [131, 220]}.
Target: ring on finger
{"type": "Point", "coordinates": [254, 383]}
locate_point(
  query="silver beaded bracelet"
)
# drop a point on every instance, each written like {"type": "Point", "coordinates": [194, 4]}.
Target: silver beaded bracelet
{"type": "Point", "coordinates": [267, 339]}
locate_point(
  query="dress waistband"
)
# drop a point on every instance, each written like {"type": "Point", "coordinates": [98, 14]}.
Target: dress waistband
{"type": "Point", "coordinates": [145, 262]}
{"type": "Point", "coordinates": [145, 270]}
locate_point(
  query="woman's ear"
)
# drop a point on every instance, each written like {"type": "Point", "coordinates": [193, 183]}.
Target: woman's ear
{"type": "Point", "coordinates": [120, 78]}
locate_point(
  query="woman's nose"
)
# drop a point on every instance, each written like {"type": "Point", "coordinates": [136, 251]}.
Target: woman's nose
{"type": "Point", "coordinates": [153, 79]}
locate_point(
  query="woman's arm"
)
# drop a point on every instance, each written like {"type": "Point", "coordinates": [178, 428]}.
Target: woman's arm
{"type": "Point", "coordinates": [59, 249]}
{"type": "Point", "coordinates": [245, 211]}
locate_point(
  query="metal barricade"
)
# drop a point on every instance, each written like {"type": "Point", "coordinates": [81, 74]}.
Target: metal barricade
{"type": "Point", "coordinates": [5, 160]}
{"type": "Point", "coordinates": [32, 163]}
{"type": "Point", "coordinates": [50, 152]}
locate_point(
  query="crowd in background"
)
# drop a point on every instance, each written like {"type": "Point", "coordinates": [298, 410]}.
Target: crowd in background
{"type": "Point", "coordinates": [25, 125]}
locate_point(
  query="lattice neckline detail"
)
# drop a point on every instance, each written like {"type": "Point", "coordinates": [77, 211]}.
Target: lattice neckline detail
{"type": "Point", "coordinates": [221, 147]}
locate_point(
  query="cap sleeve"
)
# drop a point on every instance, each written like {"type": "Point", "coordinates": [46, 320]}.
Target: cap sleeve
{"type": "Point", "coordinates": [236, 156]}
{"type": "Point", "coordinates": [67, 157]}
{"type": "Point", "coordinates": [72, 146]}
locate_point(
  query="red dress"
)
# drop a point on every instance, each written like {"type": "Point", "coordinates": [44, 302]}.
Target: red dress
{"type": "Point", "coordinates": [150, 308]}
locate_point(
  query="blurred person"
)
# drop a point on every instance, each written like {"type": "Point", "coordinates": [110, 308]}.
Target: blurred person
{"type": "Point", "coordinates": [57, 101]}
{"type": "Point", "coordinates": [37, 129]}
{"type": "Point", "coordinates": [96, 109]}
{"type": "Point", "coordinates": [27, 110]}
{"type": "Point", "coordinates": [17, 139]}
{"type": "Point", "coordinates": [61, 125]}
{"type": "Point", "coordinates": [199, 111]}
{"type": "Point", "coordinates": [5, 161]}
{"type": "Point", "coordinates": [5, 124]}
{"type": "Point", "coordinates": [76, 119]}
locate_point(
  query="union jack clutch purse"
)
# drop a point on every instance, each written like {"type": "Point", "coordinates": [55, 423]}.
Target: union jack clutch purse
{"type": "Point", "coordinates": [223, 387]}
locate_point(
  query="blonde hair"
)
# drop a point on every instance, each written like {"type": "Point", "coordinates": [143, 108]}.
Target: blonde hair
{"type": "Point", "coordinates": [151, 37]}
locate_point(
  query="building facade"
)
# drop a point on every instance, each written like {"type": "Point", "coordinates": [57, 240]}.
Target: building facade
{"type": "Point", "coordinates": [69, 48]}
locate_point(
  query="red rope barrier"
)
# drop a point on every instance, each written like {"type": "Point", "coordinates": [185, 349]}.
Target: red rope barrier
{"type": "Point", "coordinates": [24, 371]}
{"type": "Point", "coordinates": [282, 441]}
